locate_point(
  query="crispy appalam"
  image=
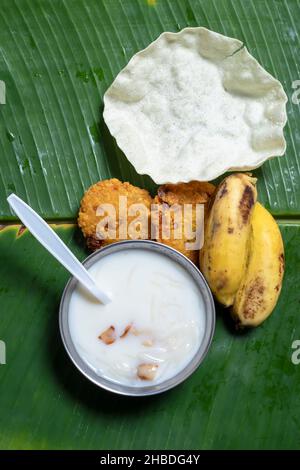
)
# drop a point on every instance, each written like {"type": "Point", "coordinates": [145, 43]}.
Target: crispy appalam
{"type": "Point", "coordinates": [108, 192]}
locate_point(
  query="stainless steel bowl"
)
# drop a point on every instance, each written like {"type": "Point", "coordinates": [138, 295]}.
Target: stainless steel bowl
{"type": "Point", "coordinates": [115, 387]}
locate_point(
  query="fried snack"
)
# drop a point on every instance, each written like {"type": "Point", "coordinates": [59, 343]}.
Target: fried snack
{"type": "Point", "coordinates": [169, 195]}
{"type": "Point", "coordinates": [109, 192]}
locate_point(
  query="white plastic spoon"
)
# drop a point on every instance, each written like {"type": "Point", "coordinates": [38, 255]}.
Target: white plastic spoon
{"type": "Point", "coordinates": [48, 238]}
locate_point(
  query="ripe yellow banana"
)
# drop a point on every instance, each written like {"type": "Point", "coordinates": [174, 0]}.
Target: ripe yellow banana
{"type": "Point", "coordinates": [226, 236]}
{"type": "Point", "coordinates": [261, 284]}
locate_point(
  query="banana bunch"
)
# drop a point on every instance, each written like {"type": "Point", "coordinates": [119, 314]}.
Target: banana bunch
{"type": "Point", "coordinates": [243, 256]}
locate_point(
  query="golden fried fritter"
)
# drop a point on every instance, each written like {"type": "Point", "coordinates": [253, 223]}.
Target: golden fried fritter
{"type": "Point", "coordinates": [168, 195]}
{"type": "Point", "coordinates": [195, 192]}
{"type": "Point", "coordinates": [109, 192]}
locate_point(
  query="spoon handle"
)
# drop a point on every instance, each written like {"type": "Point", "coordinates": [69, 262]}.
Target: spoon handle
{"type": "Point", "coordinates": [51, 241]}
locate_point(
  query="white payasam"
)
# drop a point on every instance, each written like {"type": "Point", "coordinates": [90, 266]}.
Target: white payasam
{"type": "Point", "coordinates": [152, 328]}
{"type": "Point", "coordinates": [193, 105]}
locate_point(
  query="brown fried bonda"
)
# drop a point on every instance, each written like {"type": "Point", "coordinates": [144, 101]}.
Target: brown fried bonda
{"type": "Point", "coordinates": [109, 192]}
{"type": "Point", "coordinates": [195, 192]}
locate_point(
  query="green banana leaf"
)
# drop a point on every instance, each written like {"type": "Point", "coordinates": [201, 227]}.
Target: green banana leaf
{"type": "Point", "coordinates": [57, 58]}
{"type": "Point", "coordinates": [245, 395]}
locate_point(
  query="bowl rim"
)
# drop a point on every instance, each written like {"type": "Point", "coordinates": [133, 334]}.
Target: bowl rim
{"type": "Point", "coordinates": [191, 366]}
